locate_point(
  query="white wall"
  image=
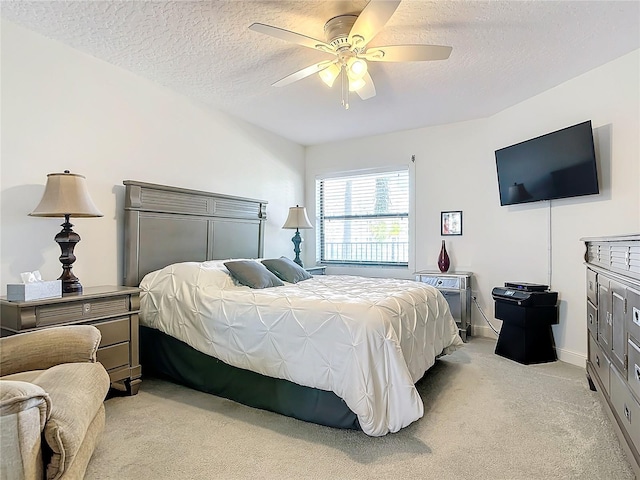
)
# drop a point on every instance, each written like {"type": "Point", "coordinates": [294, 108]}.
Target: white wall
{"type": "Point", "coordinates": [62, 109]}
{"type": "Point", "coordinates": [455, 170]}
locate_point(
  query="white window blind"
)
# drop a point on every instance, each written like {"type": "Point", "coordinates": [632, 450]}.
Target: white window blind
{"type": "Point", "coordinates": [364, 219]}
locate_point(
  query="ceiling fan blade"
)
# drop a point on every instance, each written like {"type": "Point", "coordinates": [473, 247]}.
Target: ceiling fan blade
{"type": "Point", "coordinates": [304, 73]}
{"type": "Point", "coordinates": [368, 90]}
{"type": "Point", "coordinates": [292, 37]}
{"type": "Point", "coordinates": [370, 21]}
{"type": "Point", "coordinates": [407, 53]}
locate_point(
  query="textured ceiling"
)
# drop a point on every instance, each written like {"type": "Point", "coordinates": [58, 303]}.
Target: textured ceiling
{"type": "Point", "coordinates": [503, 53]}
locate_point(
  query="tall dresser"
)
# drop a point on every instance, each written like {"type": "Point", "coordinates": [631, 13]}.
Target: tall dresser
{"type": "Point", "coordinates": [613, 322]}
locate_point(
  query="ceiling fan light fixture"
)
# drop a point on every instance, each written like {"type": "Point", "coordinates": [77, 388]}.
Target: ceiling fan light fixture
{"type": "Point", "coordinates": [355, 85]}
{"type": "Point", "coordinates": [329, 74]}
{"type": "Point", "coordinates": [347, 39]}
{"type": "Point", "coordinates": [356, 68]}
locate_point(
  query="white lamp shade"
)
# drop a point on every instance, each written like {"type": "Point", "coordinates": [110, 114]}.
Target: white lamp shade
{"type": "Point", "coordinates": [355, 85]}
{"type": "Point", "coordinates": [297, 218]}
{"type": "Point", "coordinates": [66, 194]}
{"type": "Point", "coordinates": [356, 68]}
{"type": "Point", "coordinates": [329, 74]}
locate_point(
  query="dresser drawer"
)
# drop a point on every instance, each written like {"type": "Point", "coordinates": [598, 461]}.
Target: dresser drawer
{"type": "Point", "coordinates": [633, 372]}
{"type": "Point", "coordinates": [114, 356]}
{"type": "Point", "coordinates": [89, 309]}
{"type": "Point", "coordinates": [592, 286]}
{"type": "Point", "coordinates": [600, 362]}
{"type": "Point", "coordinates": [440, 282]}
{"type": "Point", "coordinates": [627, 407]}
{"type": "Point", "coordinates": [592, 318]}
{"type": "Point", "coordinates": [114, 331]}
{"type": "Point", "coordinates": [633, 314]}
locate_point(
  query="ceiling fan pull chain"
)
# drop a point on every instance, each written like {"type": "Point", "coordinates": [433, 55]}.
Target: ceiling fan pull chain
{"type": "Point", "coordinates": [344, 80]}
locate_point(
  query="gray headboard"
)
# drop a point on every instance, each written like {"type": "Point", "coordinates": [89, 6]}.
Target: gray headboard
{"type": "Point", "coordinates": [165, 225]}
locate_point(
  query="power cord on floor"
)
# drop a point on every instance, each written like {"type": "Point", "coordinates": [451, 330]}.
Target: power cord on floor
{"type": "Point", "coordinates": [475, 300]}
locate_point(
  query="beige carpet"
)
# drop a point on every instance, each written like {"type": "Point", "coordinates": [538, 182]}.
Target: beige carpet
{"type": "Point", "coordinates": [486, 417]}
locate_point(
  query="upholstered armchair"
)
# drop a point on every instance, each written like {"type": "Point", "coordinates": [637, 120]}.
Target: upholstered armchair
{"type": "Point", "coordinates": [51, 402]}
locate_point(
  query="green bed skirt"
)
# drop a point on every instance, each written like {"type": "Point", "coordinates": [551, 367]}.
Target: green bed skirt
{"type": "Point", "coordinates": [166, 356]}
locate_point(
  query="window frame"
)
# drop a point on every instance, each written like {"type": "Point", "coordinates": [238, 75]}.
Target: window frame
{"type": "Point", "coordinates": [320, 217]}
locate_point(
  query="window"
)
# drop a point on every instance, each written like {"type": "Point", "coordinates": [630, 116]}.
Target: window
{"type": "Point", "coordinates": [364, 219]}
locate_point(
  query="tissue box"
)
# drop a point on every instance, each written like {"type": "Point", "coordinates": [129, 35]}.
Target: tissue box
{"type": "Point", "coordinates": [25, 292]}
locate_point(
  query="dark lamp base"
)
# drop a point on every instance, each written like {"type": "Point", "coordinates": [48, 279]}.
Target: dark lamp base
{"type": "Point", "coordinates": [71, 286]}
{"type": "Point", "coordinates": [67, 239]}
{"type": "Point", "coordinates": [297, 239]}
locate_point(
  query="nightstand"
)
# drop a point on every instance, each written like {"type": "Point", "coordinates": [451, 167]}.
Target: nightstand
{"type": "Point", "coordinates": [113, 310]}
{"type": "Point", "coordinates": [456, 289]}
{"type": "Point", "coordinates": [317, 270]}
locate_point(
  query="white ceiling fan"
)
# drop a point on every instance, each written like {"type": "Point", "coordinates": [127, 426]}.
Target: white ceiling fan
{"type": "Point", "coordinates": [347, 39]}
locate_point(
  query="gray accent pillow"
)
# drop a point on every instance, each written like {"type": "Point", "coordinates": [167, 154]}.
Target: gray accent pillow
{"type": "Point", "coordinates": [252, 274]}
{"type": "Point", "coordinates": [287, 269]}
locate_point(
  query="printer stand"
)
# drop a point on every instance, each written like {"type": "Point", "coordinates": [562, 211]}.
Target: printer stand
{"type": "Point", "coordinates": [526, 335]}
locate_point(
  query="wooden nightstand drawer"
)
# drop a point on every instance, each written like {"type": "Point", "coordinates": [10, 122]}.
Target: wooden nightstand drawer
{"type": "Point", "coordinates": [114, 331]}
{"type": "Point", "coordinates": [47, 315]}
{"type": "Point", "coordinates": [114, 356]}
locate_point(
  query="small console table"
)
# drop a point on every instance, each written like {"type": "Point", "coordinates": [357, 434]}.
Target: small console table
{"type": "Point", "coordinates": [456, 288]}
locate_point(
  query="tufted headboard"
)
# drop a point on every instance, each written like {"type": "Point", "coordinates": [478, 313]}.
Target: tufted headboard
{"type": "Point", "coordinates": [165, 225]}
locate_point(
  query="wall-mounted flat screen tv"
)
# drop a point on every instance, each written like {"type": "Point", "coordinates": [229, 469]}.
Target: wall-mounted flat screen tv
{"type": "Point", "coordinates": [556, 165]}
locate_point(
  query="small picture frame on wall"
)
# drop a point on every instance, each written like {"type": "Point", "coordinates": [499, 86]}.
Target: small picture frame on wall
{"type": "Point", "coordinates": [451, 223]}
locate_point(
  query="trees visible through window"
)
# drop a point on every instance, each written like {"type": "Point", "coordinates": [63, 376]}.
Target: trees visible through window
{"type": "Point", "coordinates": [364, 219]}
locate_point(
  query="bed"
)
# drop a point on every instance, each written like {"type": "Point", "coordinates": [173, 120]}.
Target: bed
{"type": "Point", "coordinates": [341, 351]}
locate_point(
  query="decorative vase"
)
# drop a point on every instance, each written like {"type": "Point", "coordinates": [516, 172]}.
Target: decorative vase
{"type": "Point", "coordinates": [443, 259]}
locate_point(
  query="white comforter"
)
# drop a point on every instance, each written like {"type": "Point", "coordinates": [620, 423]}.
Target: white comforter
{"type": "Point", "coordinates": [366, 339]}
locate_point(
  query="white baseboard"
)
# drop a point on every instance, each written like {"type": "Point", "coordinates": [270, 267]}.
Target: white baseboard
{"type": "Point", "coordinates": [483, 331]}
{"type": "Point", "coordinates": [567, 356]}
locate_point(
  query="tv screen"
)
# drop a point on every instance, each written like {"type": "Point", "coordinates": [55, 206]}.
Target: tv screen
{"type": "Point", "coordinates": [556, 165]}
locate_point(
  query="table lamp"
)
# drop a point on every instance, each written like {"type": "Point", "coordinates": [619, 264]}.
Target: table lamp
{"type": "Point", "coordinates": [297, 219]}
{"type": "Point", "coordinates": [66, 195]}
